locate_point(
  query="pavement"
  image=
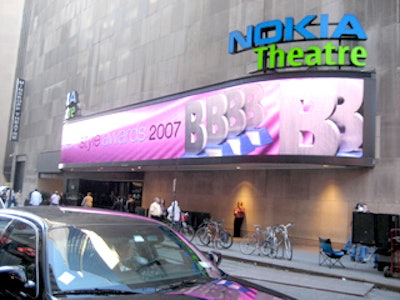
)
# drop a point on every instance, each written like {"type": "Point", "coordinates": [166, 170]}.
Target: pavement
{"type": "Point", "coordinates": [354, 278]}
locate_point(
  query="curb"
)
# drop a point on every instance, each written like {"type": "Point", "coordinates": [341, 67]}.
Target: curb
{"type": "Point", "coordinates": [379, 285]}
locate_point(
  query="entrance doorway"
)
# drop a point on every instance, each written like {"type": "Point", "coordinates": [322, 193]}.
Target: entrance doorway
{"type": "Point", "coordinates": [103, 192]}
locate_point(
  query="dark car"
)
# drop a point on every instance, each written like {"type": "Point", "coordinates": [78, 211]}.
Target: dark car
{"type": "Point", "coordinates": [50, 252]}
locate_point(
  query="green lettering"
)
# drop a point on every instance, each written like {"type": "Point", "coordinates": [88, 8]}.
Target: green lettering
{"type": "Point", "coordinates": [276, 54]}
{"type": "Point", "coordinates": [71, 112]}
{"type": "Point", "coordinates": [260, 57]}
{"type": "Point", "coordinates": [341, 54]}
{"type": "Point", "coordinates": [329, 49]}
{"type": "Point", "coordinates": [314, 56]}
{"type": "Point", "coordinates": [273, 57]}
{"type": "Point", "coordinates": [293, 54]}
{"type": "Point", "coordinates": [356, 54]}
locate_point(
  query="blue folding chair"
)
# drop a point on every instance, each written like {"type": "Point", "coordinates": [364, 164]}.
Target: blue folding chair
{"type": "Point", "coordinates": [327, 255]}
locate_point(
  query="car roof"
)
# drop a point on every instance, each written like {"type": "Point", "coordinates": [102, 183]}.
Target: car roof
{"type": "Point", "coordinates": [4, 187]}
{"type": "Point", "coordinates": [75, 215]}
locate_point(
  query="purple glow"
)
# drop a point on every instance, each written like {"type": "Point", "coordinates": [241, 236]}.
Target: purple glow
{"type": "Point", "coordinates": [285, 108]}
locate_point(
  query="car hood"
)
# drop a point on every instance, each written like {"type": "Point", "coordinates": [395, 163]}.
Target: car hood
{"type": "Point", "coordinates": [229, 288]}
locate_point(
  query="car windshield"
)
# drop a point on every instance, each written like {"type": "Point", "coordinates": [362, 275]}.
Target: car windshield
{"type": "Point", "coordinates": [130, 256]}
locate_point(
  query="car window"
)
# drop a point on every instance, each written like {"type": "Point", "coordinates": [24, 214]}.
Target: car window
{"type": "Point", "coordinates": [123, 257]}
{"type": "Point", "coordinates": [18, 246]}
{"type": "Point", "coordinates": [3, 224]}
{"type": "Point", "coordinates": [3, 192]}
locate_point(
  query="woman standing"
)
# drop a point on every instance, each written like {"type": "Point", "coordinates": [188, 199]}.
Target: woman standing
{"type": "Point", "coordinates": [239, 214]}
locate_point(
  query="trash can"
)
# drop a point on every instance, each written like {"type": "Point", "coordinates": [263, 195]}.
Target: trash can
{"type": "Point", "coordinates": [196, 218]}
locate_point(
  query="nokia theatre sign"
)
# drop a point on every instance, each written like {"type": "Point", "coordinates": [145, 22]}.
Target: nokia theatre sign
{"type": "Point", "coordinates": [265, 37]}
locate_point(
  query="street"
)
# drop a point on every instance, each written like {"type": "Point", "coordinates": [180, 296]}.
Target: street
{"type": "Point", "coordinates": [304, 286]}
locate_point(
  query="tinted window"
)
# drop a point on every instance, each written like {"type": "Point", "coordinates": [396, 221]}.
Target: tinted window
{"type": "Point", "coordinates": [3, 224]}
{"type": "Point", "coordinates": [18, 246]}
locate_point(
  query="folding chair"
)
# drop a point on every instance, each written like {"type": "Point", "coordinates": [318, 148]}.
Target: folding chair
{"type": "Point", "coordinates": [327, 255]}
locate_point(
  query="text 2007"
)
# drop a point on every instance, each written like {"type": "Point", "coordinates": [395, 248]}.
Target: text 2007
{"type": "Point", "coordinates": [164, 131]}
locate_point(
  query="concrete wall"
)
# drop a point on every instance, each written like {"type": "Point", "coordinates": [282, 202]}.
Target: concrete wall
{"type": "Point", "coordinates": [319, 202]}
{"type": "Point", "coordinates": [115, 53]}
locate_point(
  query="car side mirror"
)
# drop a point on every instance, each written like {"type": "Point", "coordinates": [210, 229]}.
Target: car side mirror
{"type": "Point", "coordinates": [215, 257]}
{"type": "Point", "coordinates": [14, 278]}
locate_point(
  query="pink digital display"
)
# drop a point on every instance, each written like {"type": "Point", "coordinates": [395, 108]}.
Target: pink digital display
{"type": "Point", "coordinates": [318, 116]}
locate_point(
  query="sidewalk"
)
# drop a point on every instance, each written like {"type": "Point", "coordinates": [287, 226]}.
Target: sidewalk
{"type": "Point", "coordinates": [305, 260]}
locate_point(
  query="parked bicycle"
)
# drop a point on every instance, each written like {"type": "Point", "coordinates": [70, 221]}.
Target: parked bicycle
{"type": "Point", "coordinates": [263, 240]}
{"type": "Point", "coordinates": [212, 232]}
{"type": "Point", "coordinates": [283, 242]}
{"type": "Point", "coordinates": [205, 232]}
{"type": "Point", "coordinates": [183, 227]}
{"type": "Point", "coordinates": [251, 242]}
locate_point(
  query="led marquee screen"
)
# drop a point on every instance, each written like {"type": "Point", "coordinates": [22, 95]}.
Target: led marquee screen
{"type": "Point", "coordinates": [324, 117]}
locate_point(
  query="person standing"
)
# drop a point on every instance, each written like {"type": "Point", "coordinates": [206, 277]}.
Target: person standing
{"type": "Point", "coordinates": [55, 199]}
{"type": "Point", "coordinates": [174, 212]}
{"type": "Point", "coordinates": [19, 198]}
{"type": "Point", "coordinates": [62, 199]}
{"type": "Point", "coordinates": [88, 200]}
{"type": "Point", "coordinates": [36, 198]}
{"type": "Point", "coordinates": [155, 209]}
{"type": "Point", "coordinates": [130, 205]}
{"type": "Point", "coordinates": [118, 204]}
{"type": "Point", "coordinates": [10, 196]}
{"type": "Point", "coordinates": [239, 214]}
{"type": "Point", "coordinates": [163, 209]}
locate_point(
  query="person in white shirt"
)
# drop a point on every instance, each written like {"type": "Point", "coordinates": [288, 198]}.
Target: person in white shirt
{"type": "Point", "coordinates": [55, 198]}
{"type": "Point", "coordinates": [36, 198]}
{"type": "Point", "coordinates": [155, 211]}
{"type": "Point", "coordinates": [174, 211]}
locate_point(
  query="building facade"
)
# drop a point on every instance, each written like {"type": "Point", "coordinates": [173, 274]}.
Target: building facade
{"type": "Point", "coordinates": [109, 57]}
{"type": "Point", "coordinates": [11, 16]}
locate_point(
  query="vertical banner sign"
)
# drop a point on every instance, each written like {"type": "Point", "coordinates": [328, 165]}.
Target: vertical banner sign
{"type": "Point", "coordinates": [17, 110]}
